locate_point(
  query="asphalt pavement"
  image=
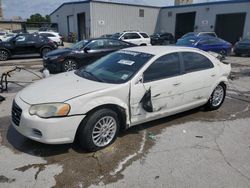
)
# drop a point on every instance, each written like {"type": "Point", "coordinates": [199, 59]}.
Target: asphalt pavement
{"type": "Point", "coordinates": [192, 149]}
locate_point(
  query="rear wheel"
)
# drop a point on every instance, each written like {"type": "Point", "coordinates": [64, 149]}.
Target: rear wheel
{"type": "Point", "coordinates": [98, 130]}
{"type": "Point", "coordinates": [217, 97]}
{"type": "Point", "coordinates": [45, 51]}
{"type": "Point", "coordinates": [69, 65]}
{"type": "Point", "coordinates": [4, 55]}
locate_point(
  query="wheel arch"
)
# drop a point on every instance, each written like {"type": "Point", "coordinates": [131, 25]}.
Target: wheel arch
{"type": "Point", "coordinates": [6, 50]}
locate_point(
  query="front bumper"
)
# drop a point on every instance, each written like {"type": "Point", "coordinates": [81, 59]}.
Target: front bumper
{"type": "Point", "coordinates": [52, 65]}
{"type": "Point", "coordinates": [50, 131]}
{"type": "Point", "coordinates": [242, 50]}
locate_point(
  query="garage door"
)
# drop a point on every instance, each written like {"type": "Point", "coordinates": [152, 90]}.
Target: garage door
{"type": "Point", "coordinates": [70, 20]}
{"type": "Point", "coordinates": [230, 27]}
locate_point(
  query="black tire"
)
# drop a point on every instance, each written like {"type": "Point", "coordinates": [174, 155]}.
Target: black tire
{"type": "Point", "coordinates": [4, 55]}
{"type": "Point", "coordinates": [69, 65]}
{"type": "Point", "coordinates": [237, 54]}
{"type": "Point", "coordinates": [45, 51]}
{"type": "Point", "coordinates": [143, 44]}
{"type": "Point", "coordinates": [85, 133]}
{"type": "Point", "coordinates": [212, 104]}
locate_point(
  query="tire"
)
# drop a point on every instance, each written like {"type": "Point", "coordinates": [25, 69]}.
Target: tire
{"type": "Point", "coordinates": [45, 51]}
{"type": "Point", "coordinates": [237, 54]}
{"type": "Point", "coordinates": [95, 129]}
{"type": "Point", "coordinates": [143, 44]}
{"type": "Point", "coordinates": [4, 55]}
{"type": "Point", "coordinates": [217, 98]}
{"type": "Point", "coordinates": [69, 65]}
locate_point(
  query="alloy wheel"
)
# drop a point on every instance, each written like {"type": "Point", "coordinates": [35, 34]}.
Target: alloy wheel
{"type": "Point", "coordinates": [104, 131]}
{"type": "Point", "coordinates": [217, 96]}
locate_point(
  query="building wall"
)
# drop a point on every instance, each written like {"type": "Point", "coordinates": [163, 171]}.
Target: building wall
{"type": "Point", "coordinates": [61, 14]}
{"type": "Point", "coordinates": [109, 18]}
{"type": "Point", "coordinates": [10, 26]}
{"type": "Point", "coordinates": [205, 16]}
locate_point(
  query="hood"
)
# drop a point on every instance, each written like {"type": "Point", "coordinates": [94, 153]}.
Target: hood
{"type": "Point", "coordinates": [60, 88]}
{"type": "Point", "coordinates": [58, 52]}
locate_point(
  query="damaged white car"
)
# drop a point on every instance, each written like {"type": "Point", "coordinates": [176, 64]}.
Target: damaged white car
{"type": "Point", "coordinates": [120, 90]}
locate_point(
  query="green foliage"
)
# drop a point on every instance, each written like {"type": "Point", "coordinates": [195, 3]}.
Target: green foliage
{"type": "Point", "coordinates": [38, 18]}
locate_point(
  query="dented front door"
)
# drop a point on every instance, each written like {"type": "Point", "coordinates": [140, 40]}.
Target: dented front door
{"type": "Point", "coordinates": [163, 79]}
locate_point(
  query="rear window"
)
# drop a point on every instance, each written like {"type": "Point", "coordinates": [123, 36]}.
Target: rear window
{"type": "Point", "coordinates": [144, 35]}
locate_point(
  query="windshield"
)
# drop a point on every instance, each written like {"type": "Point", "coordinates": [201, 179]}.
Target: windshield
{"type": "Point", "coordinates": [116, 36]}
{"type": "Point", "coordinates": [117, 67]}
{"type": "Point", "coordinates": [79, 45]}
{"type": "Point", "coordinates": [187, 41]}
{"type": "Point", "coordinates": [188, 35]}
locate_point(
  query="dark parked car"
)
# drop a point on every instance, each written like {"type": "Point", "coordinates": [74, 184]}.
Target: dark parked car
{"type": "Point", "coordinates": [81, 53]}
{"type": "Point", "coordinates": [206, 43]}
{"type": "Point", "coordinates": [23, 44]}
{"type": "Point", "coordinates": [242, 47]}
{"type": "Point", "coordinates": [162, 39]}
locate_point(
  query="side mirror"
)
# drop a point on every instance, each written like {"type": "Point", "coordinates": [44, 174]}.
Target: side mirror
{"type": "Point", "coordinates": [139, 80]}
{"type": "Point", "coordinates": [86, 49]}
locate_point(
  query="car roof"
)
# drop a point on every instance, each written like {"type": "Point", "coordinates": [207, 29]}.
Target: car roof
{"type": "Point", "coordinates": [160, 50]}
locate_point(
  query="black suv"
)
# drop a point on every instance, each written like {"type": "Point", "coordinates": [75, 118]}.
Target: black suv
{"type": "Point", "coordinates": [23, 44]}
{"type": "Point", "coordinates": [162, 39]}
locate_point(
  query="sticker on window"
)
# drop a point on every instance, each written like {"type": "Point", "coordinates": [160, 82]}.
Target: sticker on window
{"type": "Point", "coordinates": [130, 52]}
{"type": "Point", "coordinates": [124, 77]}
{"type": "Point", "coordinates": [126, 62]}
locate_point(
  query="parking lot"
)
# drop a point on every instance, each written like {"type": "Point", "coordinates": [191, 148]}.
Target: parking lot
{"type": "Point", "coordinates": [193, 149]}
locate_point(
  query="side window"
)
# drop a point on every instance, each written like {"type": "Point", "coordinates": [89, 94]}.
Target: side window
{"type": "Point", "coordinates": [21, 38]}
{"type": "Point", "coordinates": [131, 36]}
{"type": "Point", "coordinates": [144, 35]}
{"type": "Point", "coordinates": [115, 44]}
{"type": "Point", "coordinates": [97, 44]}
{"type": "Point", "coordinates": [163, 67]}
{"type": "Point", "coordinates": [194, 62]}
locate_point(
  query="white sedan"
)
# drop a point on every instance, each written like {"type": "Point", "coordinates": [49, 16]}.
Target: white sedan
{"type": "Point", "coordinates": [123, 89]}
{"type": "Point", "coordinates": [56, 37]}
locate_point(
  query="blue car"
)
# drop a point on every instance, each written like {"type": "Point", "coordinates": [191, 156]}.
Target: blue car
{"type": "Point", "coordinates": [206, 43]}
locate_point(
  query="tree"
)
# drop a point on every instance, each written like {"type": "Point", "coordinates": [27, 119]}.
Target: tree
{"type": "Point", "coordinates": [38, 18]}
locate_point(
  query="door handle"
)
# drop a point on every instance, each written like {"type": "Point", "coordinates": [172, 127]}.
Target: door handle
{"type": "Point", "coordinates": [177, 83]}
{"type": "Point", "coordinates": [213, 75]}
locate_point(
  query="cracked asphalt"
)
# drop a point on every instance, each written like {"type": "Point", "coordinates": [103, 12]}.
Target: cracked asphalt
{"type": "Point", "coordinates": [191, 149]}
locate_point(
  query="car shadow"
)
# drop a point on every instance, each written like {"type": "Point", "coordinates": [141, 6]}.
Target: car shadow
{"type": "Point", "coordinates": [25, 145]}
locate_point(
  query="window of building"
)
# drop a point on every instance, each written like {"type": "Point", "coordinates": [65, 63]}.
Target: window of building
{"type": "Point", "coordinates": [141, 12]}
{"type": "Point", "coordinates": [164, 67]}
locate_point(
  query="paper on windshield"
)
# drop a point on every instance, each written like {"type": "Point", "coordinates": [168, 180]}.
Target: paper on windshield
{"type": "Point", "coordinates": [126, 62]}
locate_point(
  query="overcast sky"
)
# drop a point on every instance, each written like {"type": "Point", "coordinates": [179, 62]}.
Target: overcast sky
{"type": "Point", "coordinates": [25, 8]}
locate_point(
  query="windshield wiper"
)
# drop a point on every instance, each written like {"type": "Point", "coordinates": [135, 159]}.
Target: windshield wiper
{"type": "Point", "coordinates": [93, 76]}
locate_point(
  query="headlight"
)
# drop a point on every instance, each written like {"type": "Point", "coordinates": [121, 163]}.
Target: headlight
{"type": "Point", "coordinates": [50, 110]}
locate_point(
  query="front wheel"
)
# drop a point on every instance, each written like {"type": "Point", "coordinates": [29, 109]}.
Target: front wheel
{"type": "Point", "coordinates": [98, 130]}
{"type": "Point", "coordinates": [45, 51]}
{"type": "Point", "coordinates": [217, 97]}
{"type": "Point", "coordinates": [4, 55]}
{"type": "Point", "coordinates": [69, 65]}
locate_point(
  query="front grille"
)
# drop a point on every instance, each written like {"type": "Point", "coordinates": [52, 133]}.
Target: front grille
{"type": "Point", "coordinates": [16, 113]}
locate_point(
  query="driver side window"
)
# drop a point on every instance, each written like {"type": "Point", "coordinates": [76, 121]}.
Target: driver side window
{"type": "Point", "coordinates": [164, 67]}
